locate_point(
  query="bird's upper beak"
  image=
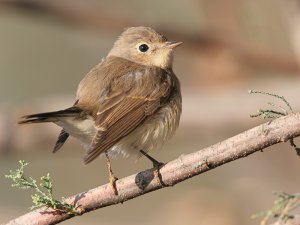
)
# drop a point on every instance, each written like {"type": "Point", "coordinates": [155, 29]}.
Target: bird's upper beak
{"type": "Point", "coordinates": [172, 45]}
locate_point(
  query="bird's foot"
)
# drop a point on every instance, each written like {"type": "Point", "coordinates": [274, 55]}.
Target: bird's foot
{"type": "Point", "coordinates": [156, 165]}
{"type": "Point", "coordinates": [112, 180]}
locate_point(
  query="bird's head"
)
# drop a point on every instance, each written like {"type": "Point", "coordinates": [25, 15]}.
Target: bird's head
{"type": "Point", "coordinates": [145, 46]}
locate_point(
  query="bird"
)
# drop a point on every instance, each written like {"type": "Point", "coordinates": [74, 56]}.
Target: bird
{"type": "Point", "coordinates": [128, 104]}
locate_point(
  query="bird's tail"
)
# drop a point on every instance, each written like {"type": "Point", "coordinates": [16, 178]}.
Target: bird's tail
{"type": "Point", "coordinates": [49, 116]}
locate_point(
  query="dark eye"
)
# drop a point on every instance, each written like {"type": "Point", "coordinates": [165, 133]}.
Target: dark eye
{"type": "Point", "coordinates": [143, 48]}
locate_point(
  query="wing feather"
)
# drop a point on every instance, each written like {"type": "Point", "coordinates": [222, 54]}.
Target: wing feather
{"type": "Point", "coordinates": [107, 137]}
{"type": "Point", "coordinates": [126, 105]}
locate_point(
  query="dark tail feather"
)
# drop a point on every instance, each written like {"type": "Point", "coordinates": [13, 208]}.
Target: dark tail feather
{"type": "Point", "coordinates": [63, 136]}
{"type": "Point", "coordinates": [49, 116]}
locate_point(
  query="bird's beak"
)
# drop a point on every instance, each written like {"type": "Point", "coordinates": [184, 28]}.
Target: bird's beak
{"type": "Point", "coordinates": [172, 45]}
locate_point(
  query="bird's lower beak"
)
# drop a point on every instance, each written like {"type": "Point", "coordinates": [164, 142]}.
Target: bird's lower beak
{"type": "Point", "coordinates": [173, 45]}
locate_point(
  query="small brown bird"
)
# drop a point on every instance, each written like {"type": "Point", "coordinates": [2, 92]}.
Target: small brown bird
{"type": "Point", "coordinates": [129, 104]}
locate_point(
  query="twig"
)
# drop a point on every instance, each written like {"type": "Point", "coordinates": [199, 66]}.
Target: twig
{"type": "Point", "coordinates": [41, 197]}
{"type": "Point", "coordinates": [271, 114]}
{"type": "Point", "coordinates": [282, 98]}
{"type": "Point", "coordinates": [292, 143]}
{"type": "Point", "coordinates": [178, 170]}
{"type": "Point", "coordinates": [292, 221]}
{"type": "Point", "coordinates": [282, 210]}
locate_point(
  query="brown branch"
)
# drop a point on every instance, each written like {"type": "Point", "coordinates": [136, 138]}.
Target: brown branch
{"type": "Point", "coordinates": [180, 169]}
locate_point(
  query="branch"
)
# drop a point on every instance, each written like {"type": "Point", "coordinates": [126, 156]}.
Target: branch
{"type": "Point", "coordinates": [178, 170]}
{"type": "Point", "coordinates": [292, 221]}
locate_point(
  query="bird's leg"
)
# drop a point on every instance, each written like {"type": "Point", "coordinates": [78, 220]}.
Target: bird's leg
{"type": "Point", "coordinates": [156, 166]}
{"type": "Point", "coordinates": [112, 177]}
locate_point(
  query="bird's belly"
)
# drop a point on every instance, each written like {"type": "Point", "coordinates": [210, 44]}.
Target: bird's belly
{"type": "Point", "coordinates": [152, 133]}
{"type": "Point", "coordinates": [83, 130]}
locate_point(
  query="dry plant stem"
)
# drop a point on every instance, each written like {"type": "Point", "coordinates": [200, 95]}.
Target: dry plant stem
{"type": "Point", "coordinates": [180, 169]}
{"type": "Point", "coordinates": [292, 221]}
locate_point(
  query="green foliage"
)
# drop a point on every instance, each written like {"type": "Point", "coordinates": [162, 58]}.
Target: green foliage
{"type": "Point", "coordinates": [283, 208]}
{"type": "Point", "coordinates": [43, 191]}
{"type": "Point", "coordinates": [285, 203]}
{"type": "Point", "coordinates": [275, 112]}
{"type": "Point", "coordinates": [272, 113]}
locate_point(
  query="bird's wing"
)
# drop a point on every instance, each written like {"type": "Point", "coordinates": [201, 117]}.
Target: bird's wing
{"type": "Point", "coordinates": [131, 99]}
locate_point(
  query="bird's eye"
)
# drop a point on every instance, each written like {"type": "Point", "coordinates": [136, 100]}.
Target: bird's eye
{"type": "Point", "coordinates": [143, 48]}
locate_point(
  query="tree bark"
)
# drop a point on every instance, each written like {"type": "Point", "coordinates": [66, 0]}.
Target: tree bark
{"type": "Point", "coordinates": [178, 170]}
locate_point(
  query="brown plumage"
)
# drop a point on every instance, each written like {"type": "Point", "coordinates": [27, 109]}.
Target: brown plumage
{"type": "Point", "coordinates": [129, 102]}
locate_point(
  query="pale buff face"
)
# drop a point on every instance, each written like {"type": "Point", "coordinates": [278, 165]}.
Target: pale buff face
{"type": "Point", "coordinates": [157, 50]}
{"type": "Point", "coordinates": [158, 54]}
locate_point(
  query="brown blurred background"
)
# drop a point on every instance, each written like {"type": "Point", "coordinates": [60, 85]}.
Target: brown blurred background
{"type": "Point", "coordinates": [230, 46]}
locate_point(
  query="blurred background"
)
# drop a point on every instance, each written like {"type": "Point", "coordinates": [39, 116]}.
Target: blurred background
{"type": "Point", "coordinates": [230, 46]}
